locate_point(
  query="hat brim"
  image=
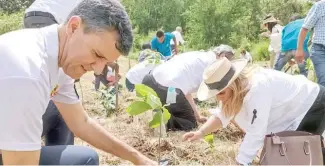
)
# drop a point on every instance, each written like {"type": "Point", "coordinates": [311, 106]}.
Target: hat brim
{"type": "Point", "coordinates": [205, 93]}
{"type": "Point", "coordinates": [269, 21]}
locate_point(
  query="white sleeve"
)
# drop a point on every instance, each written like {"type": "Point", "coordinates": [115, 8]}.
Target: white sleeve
{"type": "Point", "coordinates": [218, 113]}
{"type": "Point", "coordinates": [260, 99]}
{"type": "Point", "coordinates": [66, 92]}
{"type": "Point", "coordinates": [180, 37]}
{"type": "Point", "coordinates": [23, 101]}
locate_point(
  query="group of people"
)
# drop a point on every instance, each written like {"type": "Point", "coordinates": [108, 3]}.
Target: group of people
{"type": "Point", "coordinates": [283, 42]}
{"type": "Point", "coordinates": [62, 40]}
{"type": "Point", "coordinates": [258, 100]}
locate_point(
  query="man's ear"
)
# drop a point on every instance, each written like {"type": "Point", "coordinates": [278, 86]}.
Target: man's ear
{"type": "Point", "coordinates": [74, 23]}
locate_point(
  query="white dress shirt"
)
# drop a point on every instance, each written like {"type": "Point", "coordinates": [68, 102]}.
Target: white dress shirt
{"type": "Point", "coordinates": [136, 74]}
{"type": "Point", "coordinates": [281, 101]}
{"type": "Point", "coordinates": [60, 9]}
{"type": "Point", "coordinates": [28, 73]}
{"type": "Point", "coordinates": [184, 71]}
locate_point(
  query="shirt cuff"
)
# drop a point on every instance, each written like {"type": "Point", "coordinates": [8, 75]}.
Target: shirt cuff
{"type": "Point", "coordinates": [307, 26]}
{"type": "Point", "coordinates": [243, 159]}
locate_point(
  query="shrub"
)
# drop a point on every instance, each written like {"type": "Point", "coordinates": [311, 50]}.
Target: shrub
{"type": "Point", "coordinates": [11, 22]}
{"type": "Point", "coordinates": [260, 51]}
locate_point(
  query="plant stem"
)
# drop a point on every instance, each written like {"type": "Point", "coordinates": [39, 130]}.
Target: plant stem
{"type": "Point", "coordinates": [161, 123]}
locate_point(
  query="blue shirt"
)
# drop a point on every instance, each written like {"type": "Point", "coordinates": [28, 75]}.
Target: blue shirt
{"type": "Point", "coordinates": [290, 35]}
{"type": "Point", "coordinates": [315, 19]}
{"type": "Point", "coordinates": [164, 47]}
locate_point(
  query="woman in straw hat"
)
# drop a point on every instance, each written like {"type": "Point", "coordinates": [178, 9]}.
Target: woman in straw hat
{"type": "Point", "coordinates": [275, 30]}
{"type": "Point", "coordinates": [260, 101]}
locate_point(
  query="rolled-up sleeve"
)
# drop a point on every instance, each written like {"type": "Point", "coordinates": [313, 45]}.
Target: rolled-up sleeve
{"type": "Point", "coordinates": [22, 103]}
{"type": "Point", "coordinates": [260, 99]}
{"type": "Point", "coordinates": [66, 91]}
{"type": "Point", "coordinates": [312, 17]}
{"type": "Point", "coordinates": [218, 113]}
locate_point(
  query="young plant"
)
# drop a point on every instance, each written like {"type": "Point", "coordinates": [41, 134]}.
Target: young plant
{"type": "Point", "coordinates": [210, 140]}
{"type": "Point", "coordinates": [148, 100]}
{"type": "Point", "coordinates": [108, 99]}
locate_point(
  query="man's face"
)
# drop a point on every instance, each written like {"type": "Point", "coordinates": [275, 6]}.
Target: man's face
{"type": "Point", "coordinates": [161, 39]}
{"type": "Point", "coordinates": [87, 51]}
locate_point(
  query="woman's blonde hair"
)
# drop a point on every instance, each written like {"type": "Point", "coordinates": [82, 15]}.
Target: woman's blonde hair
{"type": "Point", "coordinates": [239, 89]}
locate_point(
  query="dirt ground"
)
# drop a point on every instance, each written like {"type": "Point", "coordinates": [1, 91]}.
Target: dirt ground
{"type": "Point", "coordinates": [135, 132]}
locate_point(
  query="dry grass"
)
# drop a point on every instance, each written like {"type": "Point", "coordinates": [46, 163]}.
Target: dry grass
{"type": "Point", "coordinates": [135, 132]}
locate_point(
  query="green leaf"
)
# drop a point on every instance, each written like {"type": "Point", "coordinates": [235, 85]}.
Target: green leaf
{"type": "Point", "coordinates": [143, 90]}
{"type": "Point", "coordinates": [138, 107]}
{"type": "Point", "coordinates": [153, 101]}
{"type": "Point", "coordinates": [155, 122]}
{"type": "Point", "coordinates": [209, 139]}
{"type": "Point", "coordinates": [166, 115]}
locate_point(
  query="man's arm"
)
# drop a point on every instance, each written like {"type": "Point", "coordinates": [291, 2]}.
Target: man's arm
{"type": "Point", "coordinates": [84, 127]}
{"type": "Point", "coordinates": [21, 113]}
{"type": "Point", "coordinates": [193, 105]}
{"type": "Point", "coordinates": [153, 45]}
{"type": "Point", "coordinates": [20, 157]}
{"type": "Point", "coordinates": [300, 46]}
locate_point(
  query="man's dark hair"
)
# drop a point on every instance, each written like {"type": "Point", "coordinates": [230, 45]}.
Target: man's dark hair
{"type": "Point", "coordinates": [146, 46]}
{"type": "Point", "coordinates": [106, 15]}
{"type": "Point", "coordinates": [295, 17]}
{"type": "Point", "coordinates": [160, 33]}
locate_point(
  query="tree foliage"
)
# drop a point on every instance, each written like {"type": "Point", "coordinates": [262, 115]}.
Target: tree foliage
{"type": "Point", "coordinates": [208, 23]}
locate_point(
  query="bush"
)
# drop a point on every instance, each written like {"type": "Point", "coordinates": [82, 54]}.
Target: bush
{"type": "Point", "coordinates": [260, 51]}
{"type": "Point", "coordinates": [11, 22]}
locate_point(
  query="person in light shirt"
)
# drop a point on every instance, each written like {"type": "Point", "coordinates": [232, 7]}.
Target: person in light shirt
{"type": "Point", "coordinates": [246, 55]}
{"type": "Point", "coordinates": [46, 12]}
{"type": "Point", "coordinates": [135, 75]}
{"type": "Point", "coordinates": [182, 75]}
{"type": "Point", "coordinates": [260, 101]}
{"type": "Point", "coordinates": [179, 38]}
{"type": "Point", "coordinates": [274, 34]}
{"type": "Point", "coordinates": [96, 33]}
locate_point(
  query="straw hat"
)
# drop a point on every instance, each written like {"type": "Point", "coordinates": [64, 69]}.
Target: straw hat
{"type": "Point", "coordinates": [218, 76]}
{"type": "Point", "coordinates": [269, 18]}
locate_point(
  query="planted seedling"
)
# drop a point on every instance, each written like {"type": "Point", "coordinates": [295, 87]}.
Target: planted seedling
{"type": "Point", "coordinates": [148, 100]}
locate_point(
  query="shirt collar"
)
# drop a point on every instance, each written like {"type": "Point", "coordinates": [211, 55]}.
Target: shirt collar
{"type": "Point", "coordinates": [51, 41]}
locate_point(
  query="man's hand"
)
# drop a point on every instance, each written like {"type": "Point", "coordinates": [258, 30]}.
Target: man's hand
{"type": "Point", "coordinates": [88, 130]}
{"type": "Point", "coordinates": [299, 56]}
{"type": "Point", "coordinates": [176, 50]}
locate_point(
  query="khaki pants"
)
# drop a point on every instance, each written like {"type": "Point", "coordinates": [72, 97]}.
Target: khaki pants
{"type": "Point", "coordinates": [273, 58]}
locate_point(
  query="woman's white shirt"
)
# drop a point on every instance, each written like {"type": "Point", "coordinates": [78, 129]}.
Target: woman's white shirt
{"type": "Point", "coordinates": [280, 100]}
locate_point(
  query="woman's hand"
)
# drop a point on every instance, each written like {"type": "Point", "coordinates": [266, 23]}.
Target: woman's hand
{"type": "Point", "coordinates": [192, 136]}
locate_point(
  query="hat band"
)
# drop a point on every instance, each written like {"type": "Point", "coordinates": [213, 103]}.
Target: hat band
{"type": "Point", "coordinates": [223, 82]}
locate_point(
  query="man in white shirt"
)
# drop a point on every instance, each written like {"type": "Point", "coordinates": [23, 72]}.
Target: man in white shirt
{"type": "Point", "coordinates": [175, 80]}
{"type": "Point", "coordinates": [136, 74]}
{"type": "Point", "coordinates": [35, 57]}
{"type": "Point", "coordinates": [40, 14]}
{"type": "Point", "coordinates": [46, 12]}
{"type": "Point", "coordinates": [179, 38]}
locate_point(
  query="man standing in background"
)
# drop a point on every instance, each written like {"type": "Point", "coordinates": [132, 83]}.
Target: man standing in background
{"type": "Point", "coordinates": [290, 34]}
{"type": "Point", "coordinates": [161, 44]}
{"type": "Point", "coordinates": [314, 20]}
